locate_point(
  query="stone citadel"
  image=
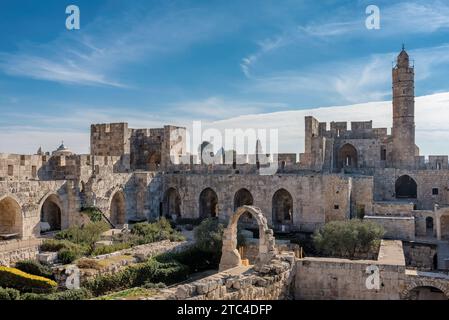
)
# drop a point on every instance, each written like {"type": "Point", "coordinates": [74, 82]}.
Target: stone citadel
{"type": "Point", "coordinates": [141, 174]}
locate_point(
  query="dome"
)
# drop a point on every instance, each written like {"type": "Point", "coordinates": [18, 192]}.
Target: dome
{"type": "Point", "coordinates": [62, 151]}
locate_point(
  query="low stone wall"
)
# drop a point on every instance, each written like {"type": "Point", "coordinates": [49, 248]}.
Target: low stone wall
{"type": "Point", "coordinates": [13, 251]}
{"type": "Point", "coordinates": [251, 248]}
{"type": "Point", "coordinates": [119, 260]}
{"type": "Point", "coordinates": [343, 279]}
{"type": "Point", "coordinates": [419, 256]}
{"type": "Point", "coordinates": [402, 228]}
{"type": "Point", "coordinates": [273, 281]}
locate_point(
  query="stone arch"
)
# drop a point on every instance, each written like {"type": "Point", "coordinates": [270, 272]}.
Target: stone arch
{"type": "Point", "coordinates": [282, 209]}
{"type": "Point", "coordinates": [208, 203]}
{"type": "Point", "coordinates": [50, 213]}
{"type": "Point", "coordinates": [230, 257]}
{"type": "Point", "coordinates": [348, 156]}
{"type": "Point", "coordinates": [172, 203]}
{"type": "Point", "coordinates": [406, 188]}
{"type": "Point", "coordinates": [408, 293]}
{"type": "Point", "coordinates": [11, 217]}
{"type": "Point", "coordinates": [244, 198]}
{"type": "Point", "coordinates": [117, 211]}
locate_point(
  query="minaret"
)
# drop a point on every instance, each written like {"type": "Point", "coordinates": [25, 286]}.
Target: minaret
{"type": "Point", "coordinates": [403, 112]}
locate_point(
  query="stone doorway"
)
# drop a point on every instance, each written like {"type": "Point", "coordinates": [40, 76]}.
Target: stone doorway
{"type": "Point", "coordinates": [51, 214]}
{"type": "Point", "coordinates": [282, 210]}
{"type": "Point", "coordinates": [406, 188]}
{"type": "Point", "coordinates": [11, 222]}
{"type": "Point", "coordinates": [208, 203]}
{"type": "Point", "coordinates": [118, 209]}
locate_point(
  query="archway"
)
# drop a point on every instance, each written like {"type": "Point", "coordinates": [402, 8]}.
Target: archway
{"type": "Point", "coordinates": [208, 203]}
{"type": "Point", "coordinates": [230, 257]}
{"type": "Point", "coordinates": [429, 226]}
{"type": "Point", "coordinates": [51, 214]}
{"type": "Point", "coordinates": [406, 188]}
{"type": "Point", "coordinates": [244, 198]}
{"type": "Point", "coordinates": [426, 293]}
{"type": "Point", "coordinates": [172, 204]}
{"type": "Point", "coordinates": [11, 221]}
{"type": "Point", "coordinates": [118, 209]}
{"type": "Point", "coordinates": [347, 156]}
{"type": "Point", "coordinates": [282, 209]}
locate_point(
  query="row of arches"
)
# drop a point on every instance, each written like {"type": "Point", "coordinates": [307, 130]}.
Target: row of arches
{"type": "Point", "coordinates": [282, 204]}
{"type": "Point", "coordinates": [11, 216]}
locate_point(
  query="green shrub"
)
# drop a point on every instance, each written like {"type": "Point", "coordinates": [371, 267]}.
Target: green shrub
{"type": "Point", "coordinates": [9, 294]}
{"type": "Point", "coordinates": [155, 231]}
{"type": "Point", "coordinates": [25, 282]}
{"type": "Point", "coordinates": [35, 268]}
{"type": "Point", "coordinates": [138, 275]}
{"type": "Point", "coordinates": [52, 245]}
{"type": "Point", "coordinates": [348, 238]}
{"type": "Point", "coordinates": [74, 294]}
{"type": "Point", "coordinates": [188, 221]}
{"type": "Point", "coordinates": [209, 235]}
{"type": "Point", "coordinates": [194, 258]}
{"type": "Point", "coordinates": [88, 234]}
{"type": "Point", "coordinates": [112, 248]}
{"type": "Point", "coordinates": [93, 213]}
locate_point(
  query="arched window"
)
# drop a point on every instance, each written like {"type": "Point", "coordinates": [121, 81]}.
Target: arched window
{"type": "Point", "coordinates": [406, 188]}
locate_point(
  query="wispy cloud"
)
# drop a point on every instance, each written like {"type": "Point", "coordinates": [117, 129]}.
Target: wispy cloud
{"type": "Point", "coordinates": [95, 54]}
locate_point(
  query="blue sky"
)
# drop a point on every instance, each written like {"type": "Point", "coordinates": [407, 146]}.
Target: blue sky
{"type": "Point", "coordinates": [170, 62]}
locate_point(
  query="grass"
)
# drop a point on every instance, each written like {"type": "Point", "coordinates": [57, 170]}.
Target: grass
{"type": "Point", "coordinates": [99, 264]}
{"type": "Point", "coordinates": [129, 294]}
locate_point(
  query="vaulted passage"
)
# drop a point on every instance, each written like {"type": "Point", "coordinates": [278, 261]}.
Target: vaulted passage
{"type": "Point", "coordinates": [208, 203]}
{"type": "Point", "coordinates": [426, 293]}
{"type": "Point", "coordinates": [347, 157]}
{"type": "Point", "coordinates": [244, 198]}
{"type": "Point", "coordinates": [406, 188]}
{"type": "Point", "coordinates": [118, 209]}
{"type": "Point", "coordinates": [282, 209]}
{"type": "Point", "coordinates": [10, 217]}
{"type": "Point", "coordinates": [51, 214]}
{"type": "Point", "coordinates": [172, 204]}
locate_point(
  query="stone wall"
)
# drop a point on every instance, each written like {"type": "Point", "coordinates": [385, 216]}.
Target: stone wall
{"type": "Point", "coordinates": [419, 256]}
{"type": "Point", "coordinates": [342, 279]}
{"type": "Point", "coordinates": [402, 228]}
{"type": "Point", "coordinates": [13, 251]}
{"type": "Point", "coordinates": [273, 282]}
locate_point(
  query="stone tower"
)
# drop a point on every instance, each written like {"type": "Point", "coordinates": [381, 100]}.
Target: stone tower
{"type": "Point", "coordinates": [403, 112]}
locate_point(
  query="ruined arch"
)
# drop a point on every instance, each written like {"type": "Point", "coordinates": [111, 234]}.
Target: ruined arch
{"type": "Point", "coordinates": [412, 291]}
{"type": "Point", "coordinates": [118, 209]}
{"type": "Point", "coordinates": [51, 214]}
{"type": "Point", "coordinates": [406, 188]}
{"type": "Point", "coordinates": [172, 203]}
{"type": "Point", "coordinates": [282, 208]}
{"type": "Point", "coordinates": [208, 203]}
{"type": "Point", "coordinates": [230, 257]}
{"type": "Point", "coordinates": [347, 156]}
{"type": "Point", "coordinates": [11, 218]}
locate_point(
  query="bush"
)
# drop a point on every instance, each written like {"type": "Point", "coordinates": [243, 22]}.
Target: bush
{"type": "Point", "coordinates": [188, 221]}
{"type": "Point", "coordinates": [112, 248]}
{"type": "Point", "coordinates": [85, 235]}
{"type": "Point", "coordinates": [156, 231]}
{"type": "Point", "coordinates": [93, 213]}
{"type": "Point", "coordinates": [52, 245]}
{"type": "Point", "coordinates": [35, 268]}
{"type": "Point", "coordinates": [9, 294]}
{"type": "Point", "coordinates": [348, 238]}
{"type": "Point", "coordinates": [194, 258]}
{"type": "Point", "coordinates": [209, 235]}
{"type": "Point", "coordinates": [138, 275]}
{"type": "Point", "coordinates": [74, 294]}
{"type": "Point", "coordinates": [25, 282]}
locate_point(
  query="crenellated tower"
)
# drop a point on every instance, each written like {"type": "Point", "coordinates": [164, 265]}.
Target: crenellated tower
{"type": "Point", "coordinates": [404, 149]}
